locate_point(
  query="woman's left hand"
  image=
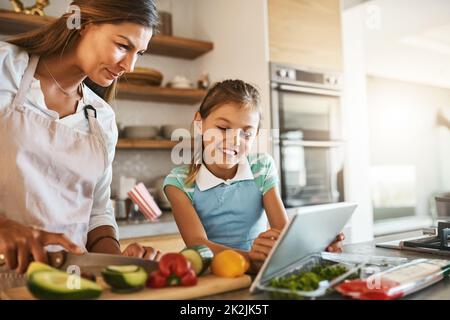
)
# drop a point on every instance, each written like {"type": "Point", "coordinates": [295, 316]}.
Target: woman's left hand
{"type": "Point", "coordinates": [336, 245]}
{"type": "Point", "coordinates": [139, 251]}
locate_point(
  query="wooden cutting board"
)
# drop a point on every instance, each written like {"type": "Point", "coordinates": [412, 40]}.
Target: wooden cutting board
{"type": "Point", "coordinates": [206, 286]}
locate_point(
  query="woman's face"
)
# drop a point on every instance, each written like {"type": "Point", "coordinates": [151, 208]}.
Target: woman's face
{"type": "Point", "coordinates": [106, 51]}
{"type": "Point", "coordinates": [228, 134]}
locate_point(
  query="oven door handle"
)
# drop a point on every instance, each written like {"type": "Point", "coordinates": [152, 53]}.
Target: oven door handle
{"type": "Point", "coordinates": [316, 144]}
{"type": "Point", "coordinates": [286, 87]}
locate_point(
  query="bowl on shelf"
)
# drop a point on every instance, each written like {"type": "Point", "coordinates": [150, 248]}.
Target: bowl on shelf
{"type": "Point", "coordinates": [140, 132]}
{"type": "Point", "coordinates": [143, 76]}
{"type": "Point", "coordinates": [167, 130]}
{"type": "Point", "coordinates": [180, 82]}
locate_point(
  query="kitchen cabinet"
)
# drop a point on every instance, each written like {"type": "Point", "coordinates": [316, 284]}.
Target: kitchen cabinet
{"type": "Point", "coordinates": [306, 33]}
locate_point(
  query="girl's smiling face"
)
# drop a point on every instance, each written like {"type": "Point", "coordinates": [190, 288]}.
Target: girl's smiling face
{"type": "Point", "coordinates": [228, 134]}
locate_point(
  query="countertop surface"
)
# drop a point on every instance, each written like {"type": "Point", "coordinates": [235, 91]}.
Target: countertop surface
{"type": "Point", "coordinates": [139, 228]}
{"type": "Point", "coordinates": [438, 291]}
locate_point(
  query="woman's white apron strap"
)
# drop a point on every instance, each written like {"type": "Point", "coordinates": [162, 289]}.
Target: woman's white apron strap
{"type": "Point", "coordinates": [25, 84]}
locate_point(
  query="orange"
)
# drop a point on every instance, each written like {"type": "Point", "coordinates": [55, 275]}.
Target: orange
{"type": "Point", "coordinates": [229, 263]}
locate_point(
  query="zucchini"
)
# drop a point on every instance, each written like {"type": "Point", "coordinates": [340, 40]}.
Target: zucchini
{"type": "Point", "coordinates": [53, 284]}
{"type": "Point", "coordinates": [127, 278]}
{"type": "Point", "coordinates": [199, 256]}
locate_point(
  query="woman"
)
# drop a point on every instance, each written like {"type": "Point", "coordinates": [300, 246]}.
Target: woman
{"type": "Point", "coordinates": [57, 137]}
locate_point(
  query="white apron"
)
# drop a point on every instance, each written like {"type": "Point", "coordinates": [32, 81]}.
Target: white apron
{"type": "Point", "coordinates": [48, 171]}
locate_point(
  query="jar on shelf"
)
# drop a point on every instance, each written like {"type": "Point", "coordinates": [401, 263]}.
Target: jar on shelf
{"type": "Point", "coordinates": [203, 81]}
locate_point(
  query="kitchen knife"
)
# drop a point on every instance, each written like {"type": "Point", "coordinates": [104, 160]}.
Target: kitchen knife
{"type": "Point", "coordinates": [92, 262]}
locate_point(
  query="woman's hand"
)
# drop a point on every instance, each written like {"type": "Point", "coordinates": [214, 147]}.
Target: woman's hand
{"type": "Point", "coordinates": [138, 251]}
{"type": "Point", "coordinates": [261, 248]}
{"type": "Point", "coordinates": [19, 243]}
{"type": "Point", "coordinates": [336, 245]}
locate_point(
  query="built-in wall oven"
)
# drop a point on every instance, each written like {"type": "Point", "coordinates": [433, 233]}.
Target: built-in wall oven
{"type": "Point", "coordinates": [307, 134]}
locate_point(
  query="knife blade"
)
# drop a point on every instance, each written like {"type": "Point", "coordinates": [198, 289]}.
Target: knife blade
{"type": "Point", "coordinates": [93, 262]}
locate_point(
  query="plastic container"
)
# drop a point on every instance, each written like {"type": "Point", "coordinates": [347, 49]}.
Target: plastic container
{"type": "Point", "coordinates": [398, 281]}
{"type": "Point", "coordinates": [443, 205]}
{"type": "Point", "coordinates": [356, 267]}
{"type": "Point", "coordinates": [307, 265]}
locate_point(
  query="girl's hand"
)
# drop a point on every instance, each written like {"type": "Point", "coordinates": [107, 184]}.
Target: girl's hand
{"type": "Point", "coordinates": [261, 248]}
{"type": "Point", "coordinates": [336, 245]}
{"type": "Point", "coordinates": [138, 251]}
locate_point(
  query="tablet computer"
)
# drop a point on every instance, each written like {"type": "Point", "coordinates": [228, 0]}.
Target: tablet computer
{"type": "Point", "coordinates": [310, 230]}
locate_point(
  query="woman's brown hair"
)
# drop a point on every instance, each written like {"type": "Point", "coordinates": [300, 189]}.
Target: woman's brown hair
{"type": "Point", "coordinates": [227, 91]}
{"type": "Point", "coordinates": [55, 37]}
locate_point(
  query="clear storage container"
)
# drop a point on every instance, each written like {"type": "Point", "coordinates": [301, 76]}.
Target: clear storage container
{"type": "Point", "coordinates": [315, 275]}
{"type": "Point", "coordinates": [303, 281]}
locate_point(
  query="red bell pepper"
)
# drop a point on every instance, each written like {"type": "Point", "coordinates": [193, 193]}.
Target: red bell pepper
{"type": "Point", "coordinates": [174, 270]}
{"type": "Point", "coordinates": [173, 264]}
{"type": "Point", "coordinates": [156, 280]}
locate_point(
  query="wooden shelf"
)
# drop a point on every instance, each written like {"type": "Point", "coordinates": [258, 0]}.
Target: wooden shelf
{"type": "Point", "coordinates": [13, 23]}
{"type": "Point", "coordinates": [146, 144]}
{"type": "Point", "coordinates": [178, 47]}
{"type": "Point", "coordinates": [159, 94]}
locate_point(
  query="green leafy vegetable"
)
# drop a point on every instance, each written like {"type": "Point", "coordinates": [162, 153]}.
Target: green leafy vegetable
{"type": "Point", "coordinates": [307, 280]}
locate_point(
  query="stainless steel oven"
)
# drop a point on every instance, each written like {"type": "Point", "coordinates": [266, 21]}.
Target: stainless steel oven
{"type": "Point", "coordinates": [307, 135]}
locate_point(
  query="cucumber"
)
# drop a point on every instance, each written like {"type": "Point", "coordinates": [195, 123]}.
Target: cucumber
{"type": "Point", "coordinates": [38, 266]}
{"type": "Point", "coordinates": [51, 284]}
{"type": "Point", "coordinates": [128, 278]}
{"type": "Point", "coordinates": [199, 256]}
{"type": "Point", "coordinates": [122, 269]}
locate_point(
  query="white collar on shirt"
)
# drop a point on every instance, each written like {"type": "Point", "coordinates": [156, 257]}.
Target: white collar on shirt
{"type": "Point", "coordinates": [206, 180]}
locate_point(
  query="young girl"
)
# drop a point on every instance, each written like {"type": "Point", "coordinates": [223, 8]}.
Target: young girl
{"type": "Point", "coordinates": [229, 198]}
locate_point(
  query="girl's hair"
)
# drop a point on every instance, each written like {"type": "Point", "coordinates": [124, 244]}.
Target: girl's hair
{"type": "Point", "coordinates": [55, 37]}
{"type": "Point", "coordinates": [227, 91]}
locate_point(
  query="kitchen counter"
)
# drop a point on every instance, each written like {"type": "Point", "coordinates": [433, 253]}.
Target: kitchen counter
{"type": "Point", "coordinates": [140, 228]}
{"type": "Point", "coordinates": [438, 291]}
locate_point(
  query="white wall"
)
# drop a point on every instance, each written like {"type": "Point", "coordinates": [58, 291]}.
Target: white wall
{"type": "Point", "coordinates": [403, 113]}
{"type": "Point", "coordinates": [240, 42]}
{"type": "Point", "coordinates": [356, 133]}
{"type": "Point", "coordinates": [404, 131]}
{"type": "Point", "coordinates": [412, 41]}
